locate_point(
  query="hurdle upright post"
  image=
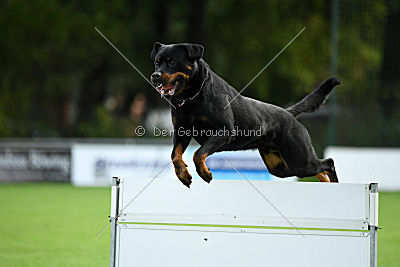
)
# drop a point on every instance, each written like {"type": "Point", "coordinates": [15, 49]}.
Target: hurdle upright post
{"type": "Point", "coordinates": [373, 225]}
{"type": "Point", "coordinates": [113, 218]}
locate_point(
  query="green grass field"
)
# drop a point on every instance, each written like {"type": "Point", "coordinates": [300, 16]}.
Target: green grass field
{"type": "Point", "coordinates": [54, 224]}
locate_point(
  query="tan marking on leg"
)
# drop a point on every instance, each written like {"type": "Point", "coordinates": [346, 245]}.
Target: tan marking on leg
{"type": "Point", "coordinates": [273, 159]}
{"type": "Point", "coordinates": [331, 179]}
{"type": "Point", "coordinates": [180, 167]}
{"type": "Point", "coordinates": [188, 67]}
{"type": "Point", "coordinates": [178, 152]}
{"type": "Point", "coordinates": [201, 163]}
{"type": "Point", "coordinates": [179, 164]}
{"type": "Point", "coordinates": [322, 177]}
{"type": "Point", "coordinates": [202, 168]}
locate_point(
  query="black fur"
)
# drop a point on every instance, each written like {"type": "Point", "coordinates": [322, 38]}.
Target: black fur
{"type": "Point", "coordinates": [200, 97]}
{"type": "Point", "coordinates": [315, 99]}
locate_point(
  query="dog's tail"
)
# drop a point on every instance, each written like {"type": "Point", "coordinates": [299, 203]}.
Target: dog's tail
{"type": "Point", "coordinates": [315, 99]}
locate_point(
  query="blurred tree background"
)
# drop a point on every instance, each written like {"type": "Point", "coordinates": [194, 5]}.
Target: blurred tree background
{"type": "Point", "coordinates": [60, 78]}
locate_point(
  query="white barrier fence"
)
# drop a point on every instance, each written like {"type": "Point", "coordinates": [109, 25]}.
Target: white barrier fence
{"type": "Point", "coordinates": [366, 164]}
{"type": "Point", "coordinates": [227, 223]}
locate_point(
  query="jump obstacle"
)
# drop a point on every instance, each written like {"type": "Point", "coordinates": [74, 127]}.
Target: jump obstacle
{"type": "Point", "coordinates": [227, 224]}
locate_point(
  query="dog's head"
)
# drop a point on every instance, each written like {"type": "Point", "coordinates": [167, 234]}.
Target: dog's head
{"type": "Point", "coordinates": [174, 65]}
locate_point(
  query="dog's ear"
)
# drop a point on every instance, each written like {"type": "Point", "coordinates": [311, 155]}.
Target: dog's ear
{"type": "Point", "coordinates": [156, 47]}
{"type": "Point", "coordinates": [194, 51]}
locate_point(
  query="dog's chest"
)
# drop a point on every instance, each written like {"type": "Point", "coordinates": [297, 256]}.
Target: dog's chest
{"type": "Point", "coordinates": [199, 126]}
{"type": "Point", "coordinates": [201, 121]}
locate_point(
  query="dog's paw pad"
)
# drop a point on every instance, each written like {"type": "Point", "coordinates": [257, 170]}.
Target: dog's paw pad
{"type": "Point", "coordinates": [185, 178]}
{"type": "Point", "coordinates": [206, 176]}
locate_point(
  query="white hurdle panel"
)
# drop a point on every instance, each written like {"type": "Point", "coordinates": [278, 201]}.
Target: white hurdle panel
{"type": "Point", "coordinates": [227, 223]}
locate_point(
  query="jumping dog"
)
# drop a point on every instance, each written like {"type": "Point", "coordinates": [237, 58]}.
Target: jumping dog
{"type": "Point", "coordinates": [204, 101]}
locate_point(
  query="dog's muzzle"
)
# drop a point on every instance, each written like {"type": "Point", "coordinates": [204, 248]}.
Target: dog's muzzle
{"type": "Point", "coordinates": [166, 87]}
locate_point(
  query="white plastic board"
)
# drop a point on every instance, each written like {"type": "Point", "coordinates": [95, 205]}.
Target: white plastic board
{"type": "Point", "coordinates": [366, 165]}
{"type": "Point", "coordinates": [228, 223]}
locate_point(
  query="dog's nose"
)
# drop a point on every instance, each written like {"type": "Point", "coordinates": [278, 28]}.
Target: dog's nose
{"type": "Point", "coordinates": [156, 76]}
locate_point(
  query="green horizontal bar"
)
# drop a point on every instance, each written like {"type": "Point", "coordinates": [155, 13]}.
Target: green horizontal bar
{"type": "Point", "coordinates": [242, 226]}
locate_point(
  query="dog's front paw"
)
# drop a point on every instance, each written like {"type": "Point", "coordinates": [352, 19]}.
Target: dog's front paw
{"type": "Point", "coordinates": [182, 172]}
{"type": "Point", "coordinates": [201, 168]}
{"type": "Point", "coordinates": [185, 177]}
{"type": "Point", "coordinates": [206, 175]}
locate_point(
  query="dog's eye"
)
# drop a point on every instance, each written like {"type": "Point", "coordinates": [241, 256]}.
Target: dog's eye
{"type": "Point", "coordinates": [172, 62]}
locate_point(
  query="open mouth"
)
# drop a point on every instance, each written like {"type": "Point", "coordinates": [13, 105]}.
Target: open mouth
{"type": "Point", "coordinates": [169, 88]}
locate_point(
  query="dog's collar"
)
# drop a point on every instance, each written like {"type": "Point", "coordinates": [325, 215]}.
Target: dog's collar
{"type": "Point", "coordinates": [182, 102]}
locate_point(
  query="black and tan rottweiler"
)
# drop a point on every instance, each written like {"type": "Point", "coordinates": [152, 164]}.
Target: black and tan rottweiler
{"type": "Point", "coordinates": [209, 110]}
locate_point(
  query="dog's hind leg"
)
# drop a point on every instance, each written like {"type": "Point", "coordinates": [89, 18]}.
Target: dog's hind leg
{"type": "Point", "coordinates": [333, 177]}
{"type": "Point", "coordinates": [329, 167]}
{"type": "Point", "coordinates": [322, 177]}
{"type": "Point", "coordinates": [277, 166]}
{"type": "Point", "coordinates": [324, 170]}
{"type": "Point", "coordinates": [329, 173]}
{"type": "Point", "coordinates": [295, 156]}
{"type": "Point", "coordinates": [275, 163]}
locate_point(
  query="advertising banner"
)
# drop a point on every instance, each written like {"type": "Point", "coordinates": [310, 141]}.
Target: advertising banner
{"type": "Point", "coordinates": [31, 163]}
{"type": "Point", "coordinates": [96, 164]}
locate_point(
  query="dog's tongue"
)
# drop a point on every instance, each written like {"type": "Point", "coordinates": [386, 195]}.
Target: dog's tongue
{"type": "Point", "coordinates": [167, 87]}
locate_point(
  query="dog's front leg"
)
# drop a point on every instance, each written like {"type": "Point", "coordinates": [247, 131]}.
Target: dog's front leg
{"type": "Point", "coordinates": [209, 147]}
{"type": "Point", "coordinates": [180, 145]}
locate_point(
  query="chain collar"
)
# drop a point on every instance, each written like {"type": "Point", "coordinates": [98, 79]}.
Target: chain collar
{"type": "Point", "coordinates": [187, 100]}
